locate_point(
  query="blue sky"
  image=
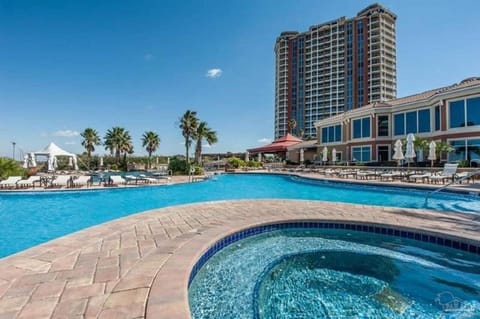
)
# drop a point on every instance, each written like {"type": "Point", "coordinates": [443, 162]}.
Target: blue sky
{"type": "Point", "coordinates": [68, 65]}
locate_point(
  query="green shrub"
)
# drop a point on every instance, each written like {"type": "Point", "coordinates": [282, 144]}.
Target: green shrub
{"type": "Point", "coordinates": [178, 166]}
{"type": "Point", "coordinates": [254, 164]}
{"type": "Point", "coordinates": [235, 162]}
{"type": "Point", "coordinates": [9, 167]}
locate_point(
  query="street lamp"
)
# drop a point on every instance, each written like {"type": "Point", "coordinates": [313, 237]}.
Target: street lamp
{"type": "Point", "coordinates": [13, 144]}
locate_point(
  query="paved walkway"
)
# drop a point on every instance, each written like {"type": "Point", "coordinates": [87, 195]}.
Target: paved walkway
{"type": "Point", "coordinates": [138, 266]}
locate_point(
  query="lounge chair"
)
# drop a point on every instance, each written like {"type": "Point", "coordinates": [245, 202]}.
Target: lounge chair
{"type": "Point", "coordinates": [448, 172]}
{"type": "Point", "coordinates": [61, 180]}
{"type": "Point", "coordinates": [29, 182]}
{"type": "Point", "coordinates": [116, 180]}
{"type": "Point", "coordinates": [80, 181]}
{"type": "Point", "coordinates": [148, 179]}
{"type": "Point", "coordinates": [10, 182]}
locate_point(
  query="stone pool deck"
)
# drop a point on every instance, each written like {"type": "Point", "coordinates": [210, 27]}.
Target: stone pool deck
{"type": "Point", "coordinates": [138, 266]}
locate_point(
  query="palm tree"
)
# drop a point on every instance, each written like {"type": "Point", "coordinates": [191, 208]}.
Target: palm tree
{"type": "Point", "coordinates": [203, 132]}
{"type": "Point", "coordinates": [118, 141]}
{"type": "Point", "coordinates": [90, 139]}
{"type": "Point", "coordinates": [188, 125]}
{"type": "Point", "coordinates": [151, 141]}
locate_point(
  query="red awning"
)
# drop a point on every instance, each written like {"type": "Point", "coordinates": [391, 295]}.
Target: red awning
{"type": "Point", "coordinates": [279, 145]}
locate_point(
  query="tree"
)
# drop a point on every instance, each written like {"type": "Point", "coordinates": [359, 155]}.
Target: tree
{"type": "Point", "coordinates": [90, 139]}
{"type": "Point", "coordinates": [118, 141]}
{"type": "Point", "coordinates": [203, 132]}
{"type": "Point", "coordinates": [188, 125]}
{"type": "Point", "coordinates": [10, 167]}
{"type": "Point", "coordinates": [151, 141]}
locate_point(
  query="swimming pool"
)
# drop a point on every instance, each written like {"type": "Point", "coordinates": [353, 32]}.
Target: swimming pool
{"type": "Point", "coordinates": [32, 218]}
{"type": "Point", "coordinates": [334, 273]}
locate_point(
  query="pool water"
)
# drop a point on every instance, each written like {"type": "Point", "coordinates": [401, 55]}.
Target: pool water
{"type": "Point", "coordinates": [31, 218]}
{"type": "Point", "coordinates": [321, 273]}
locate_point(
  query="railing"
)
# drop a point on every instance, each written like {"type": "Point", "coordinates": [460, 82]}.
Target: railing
{"type": "Point", "coordinates": [454, 181]}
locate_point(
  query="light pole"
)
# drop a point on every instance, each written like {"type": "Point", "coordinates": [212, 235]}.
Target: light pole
{"type": "Point", "coordinates": [13, 144]}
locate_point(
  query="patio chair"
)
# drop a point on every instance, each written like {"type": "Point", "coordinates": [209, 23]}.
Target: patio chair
{"type": "Point", "coordinates": [10, 182]}
{"type": "Point", "coordinates": [423, 177]}
{"type": "Point", "coordinates": [29, 182]}
{"type": "Point", "coordinates": [61, 180]}
{"type": "Point", "coordinates": [448, 172]}
{"type": "Point", "coordinates": [80, 181]}
{"type": "Point", "coordinates": [116, 180]}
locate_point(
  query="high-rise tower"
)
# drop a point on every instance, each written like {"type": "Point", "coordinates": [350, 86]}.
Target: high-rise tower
{"type": "Point", "coordinates": [334, 67]}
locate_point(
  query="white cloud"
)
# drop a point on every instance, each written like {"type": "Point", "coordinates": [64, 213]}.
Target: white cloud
{"type": "Point", "coordinates": [66, 133]}
{"type": "Point", "coordinates": [214, 73]}
{"type": "Point", "coordinates": [70, 143]}
{"type": "Point", "coordinates": [148, 57]}
{"type": "Point", "coordinates": [264, 140]}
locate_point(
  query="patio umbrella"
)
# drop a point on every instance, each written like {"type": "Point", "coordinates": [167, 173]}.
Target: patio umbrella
{"type": "Point", "coordinates": [25, 161]}
{"type": "Point", "coordinates": [259, 157]}
{"type": "Point", "coordinates": [410, 152]}
{"type": "Point", "coordinates": [398, 153]}
{"type": "Point", "coordinates": [156, 160]}
{"type": "Point", "coordinates": [70, 162]}
{"type": "Point", "coordinates": [302, 158]}
{"type": "Point", "coordinates": [325, 154]}
{"type": "Point", "coordinates": [247, 156]}
{"type": "Point", "coordinates": [101, 161]}
{"type": "Point", "coordinates": [50, 163]}
{"type": "Point", "coordinates": [432, 154]}
{"type": "Point", "coordinates": [334, 155]}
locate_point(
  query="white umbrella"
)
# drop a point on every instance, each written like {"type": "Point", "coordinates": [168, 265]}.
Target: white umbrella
{"type": "Point", "coordinates": [25, 161]}
{"type": "Point", "coordinates": [70, 162]}
{"type": "Point", "coordinates": [398, 153]}
{"type": "Point", "coordinates": [168, 160]}
{"type": "Point", "coordinates": [33, 163]}
{"type": "Point", "coordinates": [55, 163]}
{"type": "Point", "coordinates": [432, 154]}
{"type": "Point", "coordinates": [50, 163]}
{"type": "Point", "coordinates": [259, 157]}
{"type": "Point", "coordinates": [101, 161]}
{"type": "Point", "coordinates": [325, 154]}
{"type": "Point", "coordinates": [302, 155]}
{"type": "Point", "coordinates": [156, 160]}
{"type": "Point", "coordinates": [247, 156]}
{"type": "Point", "coordinates": [334, 155]}
{"type": "Point", "coordinates": [410, 152]}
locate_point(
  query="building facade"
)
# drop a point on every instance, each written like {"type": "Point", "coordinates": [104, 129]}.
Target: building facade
{"type": "Point", "coordinates": [334, 67]}
{"type": "Point", "coordinates": [450, 114]}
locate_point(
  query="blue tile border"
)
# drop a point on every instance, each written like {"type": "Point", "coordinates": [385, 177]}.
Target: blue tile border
{"type": "Point", "coordinates": [360, 227]}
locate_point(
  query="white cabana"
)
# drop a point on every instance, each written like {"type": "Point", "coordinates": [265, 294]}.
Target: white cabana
{"type": "Point", "coordinates": [52, 151]}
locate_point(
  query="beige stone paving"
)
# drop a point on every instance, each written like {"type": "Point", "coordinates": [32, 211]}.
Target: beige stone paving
{"type": "Point", "coordinates": [138, 266]}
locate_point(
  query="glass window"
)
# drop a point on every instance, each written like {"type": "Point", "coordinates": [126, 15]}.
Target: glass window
{"type": "Point", "coordinates": [324, 135]}
{"type": "Point", "coordinates": [357, 128]}
{"type": "Point", "coordinates": [457, 114]}
{"type": "Point", "coordinates": [331, 133]}
{"type": "Point", "coordinates": [382, 125]}
{"type": "Point", "coordinates": [361, 153]}
{"type": "Point", "coordinates": [366, 127]}
{"type": "Point", "coordinates": [459, 150]}
{"type": "Point", "coordinates": [338, 133]}
{"type": "Point", "coordinates": [399, 121]}
{"type": "Point", "coordinates": [437, 118]}
{"type": "Point", "coordinates": [424, 121]}
{"type": "Point", "coordinates": [411, 118]}
{"type": "Point", "coordinates": [383, 153]}
{"type": "Point", "coordinates": [473, 149]}
{"type": "Point", "coordinates": [366, 154]}
{"type": "Point", "coordinates": [473, 111]}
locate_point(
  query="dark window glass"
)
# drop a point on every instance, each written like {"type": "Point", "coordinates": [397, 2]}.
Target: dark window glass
{"type": "Point", "coordinates": [473, 111]}
{"type": "Point", "coordinates": [459, 151]}
{"type": "Point", "coordinates": [399, 121]}
{"type": "Point", "coordinates": [457, 114]}
{"type": "Point", "coordinates": [382, 125]}
{"type": "Point", "coordinates": [437, 118]}
{"type": "Point", "coordinates": [357, 128]}
{"type": "Point", "coordinates": [324, 135]}
{"type": "Point", "coordinates": [366, 154]}
{"type": "Point", "coordinates": [424, 121]}
{"type": "Point", "coordinates": [411, 118]}
{"type": "Point", "coordinates": [357, 154]}
{"type": "Point", "coordinates": [383, 154]}
{"type": "Point", "coordinates": [338, 133]}
{"type": "Point", "coordinates": [331, 133]}
{"type": "Point", "coordinates": [366, 127]}
{"type": "Point", "coordinates": [473, 149]}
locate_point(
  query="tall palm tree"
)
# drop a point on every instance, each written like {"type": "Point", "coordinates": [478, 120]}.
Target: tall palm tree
{"type": "Point", "coordinates": [188, 125]}
{"type": "Point", "coordinates": [90, 139]}
{"type": "Point", "coordinates": [203, 132]}
{"type": "Point", "coordinates": [151, 141]}
{"type": "Point", "coordinates": [118, 141]}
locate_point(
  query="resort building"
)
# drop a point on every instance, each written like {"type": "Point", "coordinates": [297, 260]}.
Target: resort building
{"type": "Point", "coordinates": [450, 114]}
{"type": "Point", "coordinates": [334, 67]}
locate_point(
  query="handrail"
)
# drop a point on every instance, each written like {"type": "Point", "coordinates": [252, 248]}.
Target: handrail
{"type": "Point", "coordinates": [454, 181]}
